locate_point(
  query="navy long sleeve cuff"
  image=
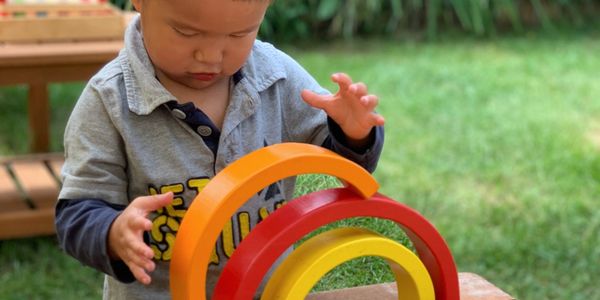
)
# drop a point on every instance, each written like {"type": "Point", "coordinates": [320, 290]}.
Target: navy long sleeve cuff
{"type": "Point", "coordinates": [366, 156]}
{"type": "Point", "coordinates": [82, 229]}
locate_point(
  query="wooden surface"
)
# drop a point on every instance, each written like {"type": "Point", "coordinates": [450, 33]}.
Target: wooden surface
{"type": "Point", "coordinates": [29, 189]}
{"type": "Point", "coordinates": [472, 287]}
{"type": "Point", "coordinates": [47, 62]}
{"type": "Point", "coordinates": [38, 64]}
{"type": "Point", "coordinates": [60, 22]}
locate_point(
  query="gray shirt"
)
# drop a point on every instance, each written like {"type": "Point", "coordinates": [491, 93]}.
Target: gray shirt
{"type": "Point", "coordinates": [123, 141]}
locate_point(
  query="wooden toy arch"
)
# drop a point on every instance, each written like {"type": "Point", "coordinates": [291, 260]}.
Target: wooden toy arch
{"type": "Point", "coordinates": [268, 240]}
{"type": "Point", "coordinates": [305, 266]}
{"type": "Point", "coordinates": [229, 189]}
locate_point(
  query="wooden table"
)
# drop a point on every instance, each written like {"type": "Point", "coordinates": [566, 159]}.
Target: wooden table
{"type": "Point", "coordinates": [37, 65]}
{"type": "Point", "coordinates": [472, 287]}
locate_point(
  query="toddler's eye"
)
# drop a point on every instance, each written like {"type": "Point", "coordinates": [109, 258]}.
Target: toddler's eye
{"type": "Point", "coordinates": [183, 32]}
{"type": "Point", "coordinates": [238, 35]}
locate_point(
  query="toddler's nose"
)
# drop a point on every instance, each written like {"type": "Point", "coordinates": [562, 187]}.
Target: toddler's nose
{"type": "Point", "coordinates": [209, 55]}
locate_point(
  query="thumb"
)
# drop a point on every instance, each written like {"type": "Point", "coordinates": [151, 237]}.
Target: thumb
{"type": "Point", "coordinates": [313, 99]}
{"type": "Point", "coordinates": [153, 202]}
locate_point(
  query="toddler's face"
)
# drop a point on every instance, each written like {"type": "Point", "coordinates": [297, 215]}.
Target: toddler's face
{"type": "Point", "coordinates": [196, 43]}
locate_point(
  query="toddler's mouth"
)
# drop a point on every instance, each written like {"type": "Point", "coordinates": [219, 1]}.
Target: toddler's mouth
{"type": "Point", "coordinates": [203, 76]}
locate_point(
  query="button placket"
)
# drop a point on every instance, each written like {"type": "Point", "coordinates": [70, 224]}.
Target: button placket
{"type": "Point", "coordinates": [204, 130]}
{"type": "Point", "coordinates": [178, 113]}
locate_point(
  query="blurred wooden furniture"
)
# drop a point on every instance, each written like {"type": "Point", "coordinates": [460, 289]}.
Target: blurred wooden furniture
{"type": "Point", "coordinates": [40, 44]}
{"type": "Point", "coordinates": [37, 65]}
{"type": "Point", "coordinates": [63, 44]}
{"type": "Point", "coordinates": [29, 188]}
{"type": "Point", "coordinates": [56, 20]}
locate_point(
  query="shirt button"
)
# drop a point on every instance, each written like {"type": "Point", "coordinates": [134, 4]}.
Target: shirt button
{"type": "Point", "coordinates": [178, 113]}
{"type": "Point", "coordinates": [204, 130]}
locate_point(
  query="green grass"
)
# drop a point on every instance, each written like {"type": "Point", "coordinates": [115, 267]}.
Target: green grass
{"type": "Point", "coordinates": [36, 269]}
{"type": "Point", "coordinates": [497, 143]}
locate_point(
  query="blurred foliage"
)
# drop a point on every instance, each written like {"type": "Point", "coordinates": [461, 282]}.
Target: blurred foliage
{"type": "Point", "coordinates": [288, 20]}
{"type": "Point", "coordinates": [123, 4]}
{"type": "Point", "coordinates": [298, 19]}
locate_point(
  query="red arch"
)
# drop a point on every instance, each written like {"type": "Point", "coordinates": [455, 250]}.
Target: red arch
{"type": "Point", "coordinates": [268, 240]}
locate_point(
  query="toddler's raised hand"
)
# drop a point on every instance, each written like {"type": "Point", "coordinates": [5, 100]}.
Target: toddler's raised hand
{"type": "Point", "coordinates": [351, 107]}
{"type": "Point", "coordinates": [125, 236]}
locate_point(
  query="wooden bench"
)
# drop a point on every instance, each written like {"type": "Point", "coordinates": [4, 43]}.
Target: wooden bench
{"type": "Point", "coordinates": [29, 187]}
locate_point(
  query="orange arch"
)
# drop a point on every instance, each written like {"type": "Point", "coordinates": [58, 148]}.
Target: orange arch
{"type": "Point", "coordinates": [231, 188]}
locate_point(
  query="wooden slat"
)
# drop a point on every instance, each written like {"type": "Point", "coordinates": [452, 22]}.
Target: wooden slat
{"type": "Point", "coordinates": [56, 167]}
{"type": "Point", "coordinates": [27, 223]}
{"type": "Point", "coordinates": [32, 157]}
{"type": "Point", "coordinates": [63, 53]}
{"type": "Point", "coordinates": [37, 182]}
{"type": "Point", "coordinates": [101, 22]}
{"type": "Point", "coordinates": [10, 197]}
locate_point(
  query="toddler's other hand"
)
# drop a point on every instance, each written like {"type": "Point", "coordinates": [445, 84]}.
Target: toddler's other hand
{"type": "Point", "coordinates": [351, 107]}
{"type": "Point", "coordinates": [125, 236]}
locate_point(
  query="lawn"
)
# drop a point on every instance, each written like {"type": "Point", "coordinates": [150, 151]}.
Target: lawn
{"type": "Point", "coordinates": [496, 142]}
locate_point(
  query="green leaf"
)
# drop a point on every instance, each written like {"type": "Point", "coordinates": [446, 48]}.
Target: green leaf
{"type": "Point", "coordinates": [541, 14]}
{"type": "Point", "coordinates": [327, 9]}
{"type": "Point", "coordinates": [477, 17]}
{"type": "Point", "coordinates": [511, 8]}
{"type": "Point", "coordinates": [461, 9]}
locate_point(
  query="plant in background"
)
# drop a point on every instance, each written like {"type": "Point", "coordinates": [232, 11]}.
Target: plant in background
{"type": "Point", "coordinates": [123, 4]}
{"type": "Point", "coordinates": [289, 20]}
{"type": "Point", "coordinates": [298, 19]}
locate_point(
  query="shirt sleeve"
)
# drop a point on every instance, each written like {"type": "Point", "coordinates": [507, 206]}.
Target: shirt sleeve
{"type": "Point", "coordinates": [95, 164]}
{"type": "Point", "coordinates": [367, 156]}
{"type": "Point", "coordinates": [308, 124]}
{"type": "Point", "coordinates": [82, 229]}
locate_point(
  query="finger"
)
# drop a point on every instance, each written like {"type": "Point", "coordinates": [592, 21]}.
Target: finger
{"type": "Point", "coordinates": [138, 222]}
{"type": "Point", "coordinates": [139, 254]}
{"type": "Point", "coordinates": [313, 99]}
{"type": "Point", "coordinates": [369, 101]}
{"type": "Point", "coordinates": [377, 120]}
{"type": "Point", "coordinates": [139, 261]}
{"type": "Point", "coordinates": [359, 89]}
{"type": "Point", "coordinates": [140, 274]}
{"type": "Point", "coordinates": [142, 261]}
{"type": "Point", "coordinates": [342, 79]}
{"type": "Point", "coordinates": [153, 202]}
{"type": "Point", "coordinates": [140, 249]}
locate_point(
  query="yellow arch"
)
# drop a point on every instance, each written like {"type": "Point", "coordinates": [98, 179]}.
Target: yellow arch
{"type": "Point", "coordinates": [231, 188]}
{"type": "Point", "coordinates": [300, 271]}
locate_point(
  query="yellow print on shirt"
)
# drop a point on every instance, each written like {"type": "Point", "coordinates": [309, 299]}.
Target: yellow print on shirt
{"type": "Point", "coordinates": [166, 224]}
{"type": "Point", "coordinates": [168, 219]}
